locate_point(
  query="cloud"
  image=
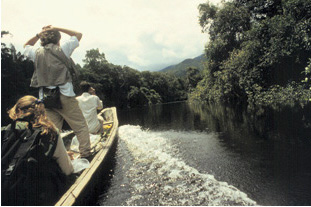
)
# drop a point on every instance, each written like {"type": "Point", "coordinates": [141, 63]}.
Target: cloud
{"type": "Point", "coordinates": [143, 34]}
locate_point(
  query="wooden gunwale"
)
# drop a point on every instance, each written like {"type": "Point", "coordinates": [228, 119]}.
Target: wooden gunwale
{"type": "Point", "coordinates": [73, 193]}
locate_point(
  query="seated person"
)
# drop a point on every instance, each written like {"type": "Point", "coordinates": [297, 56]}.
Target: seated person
{"type": "Point", "coordinates": [40, 191]}
{"type": "Point", "coordinates": [29, 106]}
{"type": "Point", "coordinates": [89, 104]}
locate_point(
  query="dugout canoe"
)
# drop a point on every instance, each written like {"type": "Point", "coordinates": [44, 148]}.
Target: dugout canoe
{"type": "Point", "coordinates": [82, 189]}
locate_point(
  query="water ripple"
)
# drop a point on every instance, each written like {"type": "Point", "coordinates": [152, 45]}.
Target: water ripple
{"type": "Point", "coordinates": [159, 177]}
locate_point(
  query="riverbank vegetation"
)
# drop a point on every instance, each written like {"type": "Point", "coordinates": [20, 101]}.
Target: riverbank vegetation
{"type": "Point", "coordinates": [259, 52]}
{"type": "Point", "coordinates": [124, 87]}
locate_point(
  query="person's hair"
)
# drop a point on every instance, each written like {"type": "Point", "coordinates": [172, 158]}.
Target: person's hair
{"type": "Point", "coordinates": [50, 36]}
{"type": "Point", "coordinates": [30, 108]}
{"type": "Point", "coordinates": [85, 86]}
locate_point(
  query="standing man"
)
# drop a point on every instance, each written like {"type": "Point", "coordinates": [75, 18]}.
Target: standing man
{"type": "Point", "coordinates": [89, 104]}
{"type": "Point", "coordinates": [51, 71]}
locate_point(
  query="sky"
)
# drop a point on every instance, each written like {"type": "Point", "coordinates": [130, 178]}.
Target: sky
{"type": "Point", "coordinates": [142, 34]}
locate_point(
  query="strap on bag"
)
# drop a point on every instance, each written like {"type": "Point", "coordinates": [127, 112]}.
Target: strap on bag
{"type": "Point", "coordinates": [68, 62]}
{"type": "Point", "coordinates": [24, 139]}
{"type": "Point", "coordinates": [74, 72]}
{"type": "Point", "coordinates": [27, 143]}
{"type": "Point", "coordinates": [8, 141]}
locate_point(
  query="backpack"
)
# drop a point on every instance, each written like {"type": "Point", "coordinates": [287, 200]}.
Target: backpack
{"type": "Point", "coordinates": [29, 174]}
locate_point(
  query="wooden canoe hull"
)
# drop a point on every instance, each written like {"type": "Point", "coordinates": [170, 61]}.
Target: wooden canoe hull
{"type": "Point", "coordinates": [85, 185]}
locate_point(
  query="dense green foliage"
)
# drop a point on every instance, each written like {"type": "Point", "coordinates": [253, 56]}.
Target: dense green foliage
{"type": "Point", "coordinates": [193, 77]}
{"type": "Point", "coordinates": [307, 73]}
{"type": "Point", "coordinates": [256, 49]}
{"type": "Point", "coordinates": [16, 73]}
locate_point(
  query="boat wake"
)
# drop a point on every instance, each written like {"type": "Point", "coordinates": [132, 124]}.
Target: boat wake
{"type": "Point", "coordinates": [159, 177]}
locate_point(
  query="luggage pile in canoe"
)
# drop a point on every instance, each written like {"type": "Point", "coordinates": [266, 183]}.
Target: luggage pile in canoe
{"type": "Point", "coordinates": [102, 146]}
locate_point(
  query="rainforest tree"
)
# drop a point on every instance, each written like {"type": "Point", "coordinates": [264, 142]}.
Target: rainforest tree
{"type": "Point", "coordinates": [254, 46]}
{"type": "Point", "coordinates": [16, 73]}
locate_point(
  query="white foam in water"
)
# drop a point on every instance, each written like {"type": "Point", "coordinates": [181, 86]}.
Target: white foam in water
{"type": "Point", "coordinates": [159, 177]}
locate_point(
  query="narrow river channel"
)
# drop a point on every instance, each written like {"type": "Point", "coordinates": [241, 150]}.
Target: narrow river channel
{"type": "Point", "coordinates": [191, 154]}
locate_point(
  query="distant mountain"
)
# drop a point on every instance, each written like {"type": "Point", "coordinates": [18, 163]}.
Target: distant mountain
{"type": "Point", "coordinates": [180, 69]}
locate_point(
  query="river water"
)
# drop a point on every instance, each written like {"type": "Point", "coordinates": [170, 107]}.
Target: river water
{"type": "Point", "coordinates": [192, 154]}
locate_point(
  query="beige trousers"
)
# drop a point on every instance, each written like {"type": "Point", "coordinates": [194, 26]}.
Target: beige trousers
{"type": "Point", "coordinates": [72, 113]}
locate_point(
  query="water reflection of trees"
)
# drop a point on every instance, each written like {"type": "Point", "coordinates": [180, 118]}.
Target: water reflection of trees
{"type": "Point", "coordinates": [174, 116]}
{"type": "Point", "coordinates": [262, 123]}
